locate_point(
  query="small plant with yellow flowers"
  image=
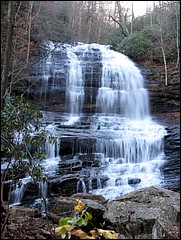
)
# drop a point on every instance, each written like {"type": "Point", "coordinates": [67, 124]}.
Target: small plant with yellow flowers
{"type": "Point", "coordinates": [72, 228]}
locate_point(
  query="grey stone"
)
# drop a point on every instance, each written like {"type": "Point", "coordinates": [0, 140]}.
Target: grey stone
{"type": "Point", "coordinates": [152, 211]}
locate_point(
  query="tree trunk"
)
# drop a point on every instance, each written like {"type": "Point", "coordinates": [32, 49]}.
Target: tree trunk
{"type": "Point", "coordinates": [177, 40]}
{"type": "Point", "coordinates": [163, 52]}
{"type": "Point", "coordinates": [29, 19]}
{"type": "Point", "coordinates": [164, 59]}
{"type": "Point", "coordinates": [165, 65]}
{"type": "Point", "coordinates": [8, 51]}
{"type": "Point", "coordinates": [132, 18]}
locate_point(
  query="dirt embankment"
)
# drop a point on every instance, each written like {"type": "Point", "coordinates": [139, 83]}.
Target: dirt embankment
{"type": "Point", "coordinates": [164, 98]}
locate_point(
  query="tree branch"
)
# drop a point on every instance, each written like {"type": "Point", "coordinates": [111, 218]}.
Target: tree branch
{"type": "Point", "coordinates": [125, 34]}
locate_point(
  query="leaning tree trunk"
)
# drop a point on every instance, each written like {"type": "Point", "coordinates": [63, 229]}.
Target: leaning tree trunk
{"type": "Point", "coordinates": [8, 51]}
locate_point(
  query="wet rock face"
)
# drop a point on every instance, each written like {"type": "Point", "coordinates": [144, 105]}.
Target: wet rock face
{"type": "Point", "coordinates": [72, 145]}
{"type": "Point", "coordinates": [31, 192]}
{"type": "Point", "coordinates": [133, 181]}
{"type": "Point", "coordinates": [164, 99]}
{"type": "Point", "coordinates": [65, 185]}
{"type": "Point", "coordinates": [70, 181]}
{"type": "Point", "coordinates": [49, 87]}
{"type": "Point", "coordinates": [171, 167]}
{"type": "Point", "coordinates": [50, 79]}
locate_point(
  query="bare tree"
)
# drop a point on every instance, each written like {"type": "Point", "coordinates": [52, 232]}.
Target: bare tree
{"type": "Point", "coordinates": [158, 31]}
{"type": "Point", "coordinates": [29, 18]}
{"type": "Point", "coordinates": [8, 51]}
{"type": "Point", "coordinates": [122, 16]}
{"type": "Point", "coordinates": [132, 17]}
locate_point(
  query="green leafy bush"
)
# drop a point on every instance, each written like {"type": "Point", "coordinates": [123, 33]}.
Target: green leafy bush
{"type": "Point", "coordinates": [21, 131]}
{"type": "Point", "coordinates": [135, 46]}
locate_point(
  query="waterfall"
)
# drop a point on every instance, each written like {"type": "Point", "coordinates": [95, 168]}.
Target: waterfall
{"type": "Point", "coordinates": [18, 191]}
{"type": "Point", "coordinates": [17, 194]}
{"type": "Point", "coordinates": [81, 186]}
{"type": "Point", "coordinates": [50, 163]}
{"type": "Point", "coordinates": [75, 85]}
{"type": "Point", "coordinates": [43, 71]}
{"type": "Point", "coordinates": [121, 91]}
{"type": "Point", "coordinates": [106, 113]}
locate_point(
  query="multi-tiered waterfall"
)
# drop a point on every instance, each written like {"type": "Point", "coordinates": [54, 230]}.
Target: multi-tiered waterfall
{"type": "Point", "coordinates": [107, 136]}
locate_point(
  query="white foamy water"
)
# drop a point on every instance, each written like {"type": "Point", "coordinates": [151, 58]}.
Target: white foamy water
{"type": "Point", "coordinates": [18, 192]}
{"type": "Point", "coordinates": [122, 90]}
{"type": "Point", "coordinates": [75, 84]}
{"type": "Point", "coordinates": [131, 149]}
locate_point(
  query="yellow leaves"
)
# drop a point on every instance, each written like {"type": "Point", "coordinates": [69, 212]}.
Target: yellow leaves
{"type": "Point", "coordinates": [63, 229]}
{"type": "Point", "coordinates": [79, 234]}
{"type": "Point", "coordinates": [80, 206]}
{"type": "Point", "coordinates": [108, 234]}
{"type": "Point", "coordinates": [94, 234]}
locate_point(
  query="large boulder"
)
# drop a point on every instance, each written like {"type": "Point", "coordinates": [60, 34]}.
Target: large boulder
{"type": "Point", "coordinates": [148, 213]}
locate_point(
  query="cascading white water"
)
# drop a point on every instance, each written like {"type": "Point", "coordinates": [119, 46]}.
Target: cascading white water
{"type": "Point", "coordinates": [46, 65]}
{"type": "Point", "coordinates": [75, 85]}
{"type": "Point", "coordinates": [131, 143]}
{"type": "Point", "coordinates": [121, 91]}
{"type": "Point", "coordinates": [49, 168]}
{"type": "Point", "coordinates": [18, 192]}
{"type": "Point", "coordinates": [81, 185]}
{"type": "Point", "coordinates": [133, 150]}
